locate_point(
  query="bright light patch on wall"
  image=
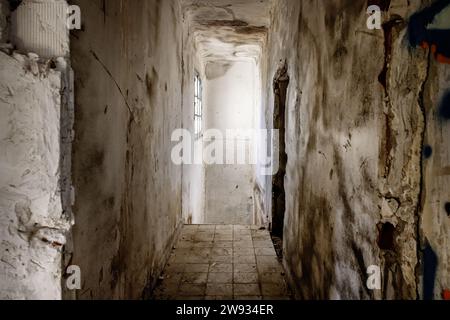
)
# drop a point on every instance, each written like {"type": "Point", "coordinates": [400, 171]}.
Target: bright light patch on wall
{"type": "Point", "coordinates": [198, 106]}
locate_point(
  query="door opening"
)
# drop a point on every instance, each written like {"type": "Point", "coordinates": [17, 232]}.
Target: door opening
{"type": "Point", "coordinates": [280, 86]}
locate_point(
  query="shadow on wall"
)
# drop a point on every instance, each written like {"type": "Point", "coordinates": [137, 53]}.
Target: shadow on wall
{"type": "Point", "coordinates": [14, 4]}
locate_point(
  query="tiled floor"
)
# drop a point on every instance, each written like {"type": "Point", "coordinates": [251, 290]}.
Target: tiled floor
{"type": "Point", "coordinates": [223, 262]}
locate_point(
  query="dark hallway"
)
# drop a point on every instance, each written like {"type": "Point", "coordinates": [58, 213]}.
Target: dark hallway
{"type": "Point", "coordinates": [224, 150]}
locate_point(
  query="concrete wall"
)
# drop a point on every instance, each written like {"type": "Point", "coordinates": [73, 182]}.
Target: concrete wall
{"type": "Point", "coordinates": [128, 74]}
{"type": "Point", "coordinates": [230, 105]}
{"type": "Point", "coordinates": [36, 115]}
{"type": "Point", "coordinates": [355, 118]}
{"type": "Point", "coordinates": [33, 224]}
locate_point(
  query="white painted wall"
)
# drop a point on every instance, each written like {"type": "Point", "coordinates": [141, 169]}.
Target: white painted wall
{"type": "Point", "coordinates": [193, 174]}
{"type": "Point", "coordinates": [35, 151]}
{"type": "Point", "coordinates": [263, 150]}
{"type": "Point", "coordinates": [230, 104]}
{"type": "Point", "coordinates": [32, 224]}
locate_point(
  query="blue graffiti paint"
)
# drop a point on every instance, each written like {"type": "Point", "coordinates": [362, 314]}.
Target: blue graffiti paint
{"type": "Point", "coordinates": [444, 108]}
{"type": "Point", "coordinates": [430, 262]}
{"type": "Point", "coordinates": [427, 151]}
{"type": "Point", "coordinates": [447, 208]}
{"type": "Point", "coordinates": [437, 39]}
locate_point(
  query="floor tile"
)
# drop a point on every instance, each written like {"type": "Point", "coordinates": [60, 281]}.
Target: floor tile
{"type": "Point", "coordinates": [222, 251]}
{"type": "Point", "coordinates": [271, 277]}
{"type": "Point", "coordinates": [221, 267]}
{"type": "Point", "coordinates": [244, 267]}
{"type": "Point", "coordinates": [222, 244]}
{"type": "Point", "coordinates": [219, 289]}
{"type": "Point", "coordinates": [220, 259]}
{"type": "Point", "coordinates": [188, 289]}
{"type": "Point", "coordinates": [244, 252]}
{"type": "Point", "coordinates": [271, 289]}
{"type": "Point", "coordinates": [222, 263]}
{"type": "Point", "coordinates": [197, 267]}
{"type": "Point", "coordinates": [241, 277]}
{"type": "Point", "coordinates": [223, 277]}
{"type": "Point", "coordinates": [265, 252]}
{"type": "Point", "coordinates": [229, 297]}
{"type": "Point", "coordinates": [248, 298]}
{"type": "Point", "coordinates": [194, 278]}
{"type": "Point", "coordinates": [246, 290]}
{"type": "Point", "coordinates": [262, 244]}
{"type": "Point", "coordinates": [244, 259]}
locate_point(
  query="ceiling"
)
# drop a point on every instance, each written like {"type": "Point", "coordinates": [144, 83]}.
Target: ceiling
{"type": "Point", "coordinates": [228, 29]}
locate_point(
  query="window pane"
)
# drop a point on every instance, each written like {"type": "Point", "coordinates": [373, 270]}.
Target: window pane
{"type": "Point", "coordinates": [196, 86]}
{"type": "Point", "coordinates": [195, 124]}
{"type": "Point", "coordinates": [198, 106]}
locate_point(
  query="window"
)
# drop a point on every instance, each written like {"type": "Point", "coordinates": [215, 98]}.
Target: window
{"type": "Point", "coordinates": [198, 106]}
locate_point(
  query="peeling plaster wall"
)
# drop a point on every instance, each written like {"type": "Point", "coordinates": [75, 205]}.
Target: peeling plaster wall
{"type": "Point", "coordinates": [128, 75]}
{"type": "Point", "coordinates": [33, 220]}
{"type": "Point", "coordinates": [356, 123]}
{"type": "Point", "coordinates": [36, 116]}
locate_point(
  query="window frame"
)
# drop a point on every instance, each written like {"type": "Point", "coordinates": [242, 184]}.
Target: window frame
{"type": "Point", "coordinates": [198, 106]}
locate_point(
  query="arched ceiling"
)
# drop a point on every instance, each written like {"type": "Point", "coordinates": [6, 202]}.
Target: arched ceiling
{"type": "Point", "coordinates": [228, 29]}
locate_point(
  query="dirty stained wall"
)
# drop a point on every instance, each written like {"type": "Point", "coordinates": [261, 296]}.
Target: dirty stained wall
{"type": "Point", "coordinates": [356, 124]}
{"type": "Point", "coordinates": [436, 180]}
{"type": "Point", "coordinates": [127, 60]}
{"type": "Point", "coordinates": [435, 217]}
{"type": "Point", "coordinates": [4, 21]}
{"type": "Point", "coordinates": [33, 224]}
{"type": "Point", "coordinates": [36, 115]}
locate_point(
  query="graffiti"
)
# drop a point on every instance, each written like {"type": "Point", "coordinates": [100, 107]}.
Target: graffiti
{"type": "Point", "coordinates": [447, 208]}
{"type": "Point", "coordinates": [427, 151]}
{"type": "Point", "coordinates": [444, 108]}
{"type": "Point", "coordinates": [430, 28]}
{"type": "Point", "coordinates": [430, 262]}
{"type": "Point", "coordinates": [446, 294]}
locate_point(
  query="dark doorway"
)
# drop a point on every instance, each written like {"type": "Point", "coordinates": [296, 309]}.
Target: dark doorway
{"type": "Point", "coordinates": [280, 86]}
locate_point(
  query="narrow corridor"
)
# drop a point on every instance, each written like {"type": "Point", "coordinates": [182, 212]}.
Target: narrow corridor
{"type": "Point", "coordinates": [171, 149]}
{"type": "Point", "coordinates": [216, 262]}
